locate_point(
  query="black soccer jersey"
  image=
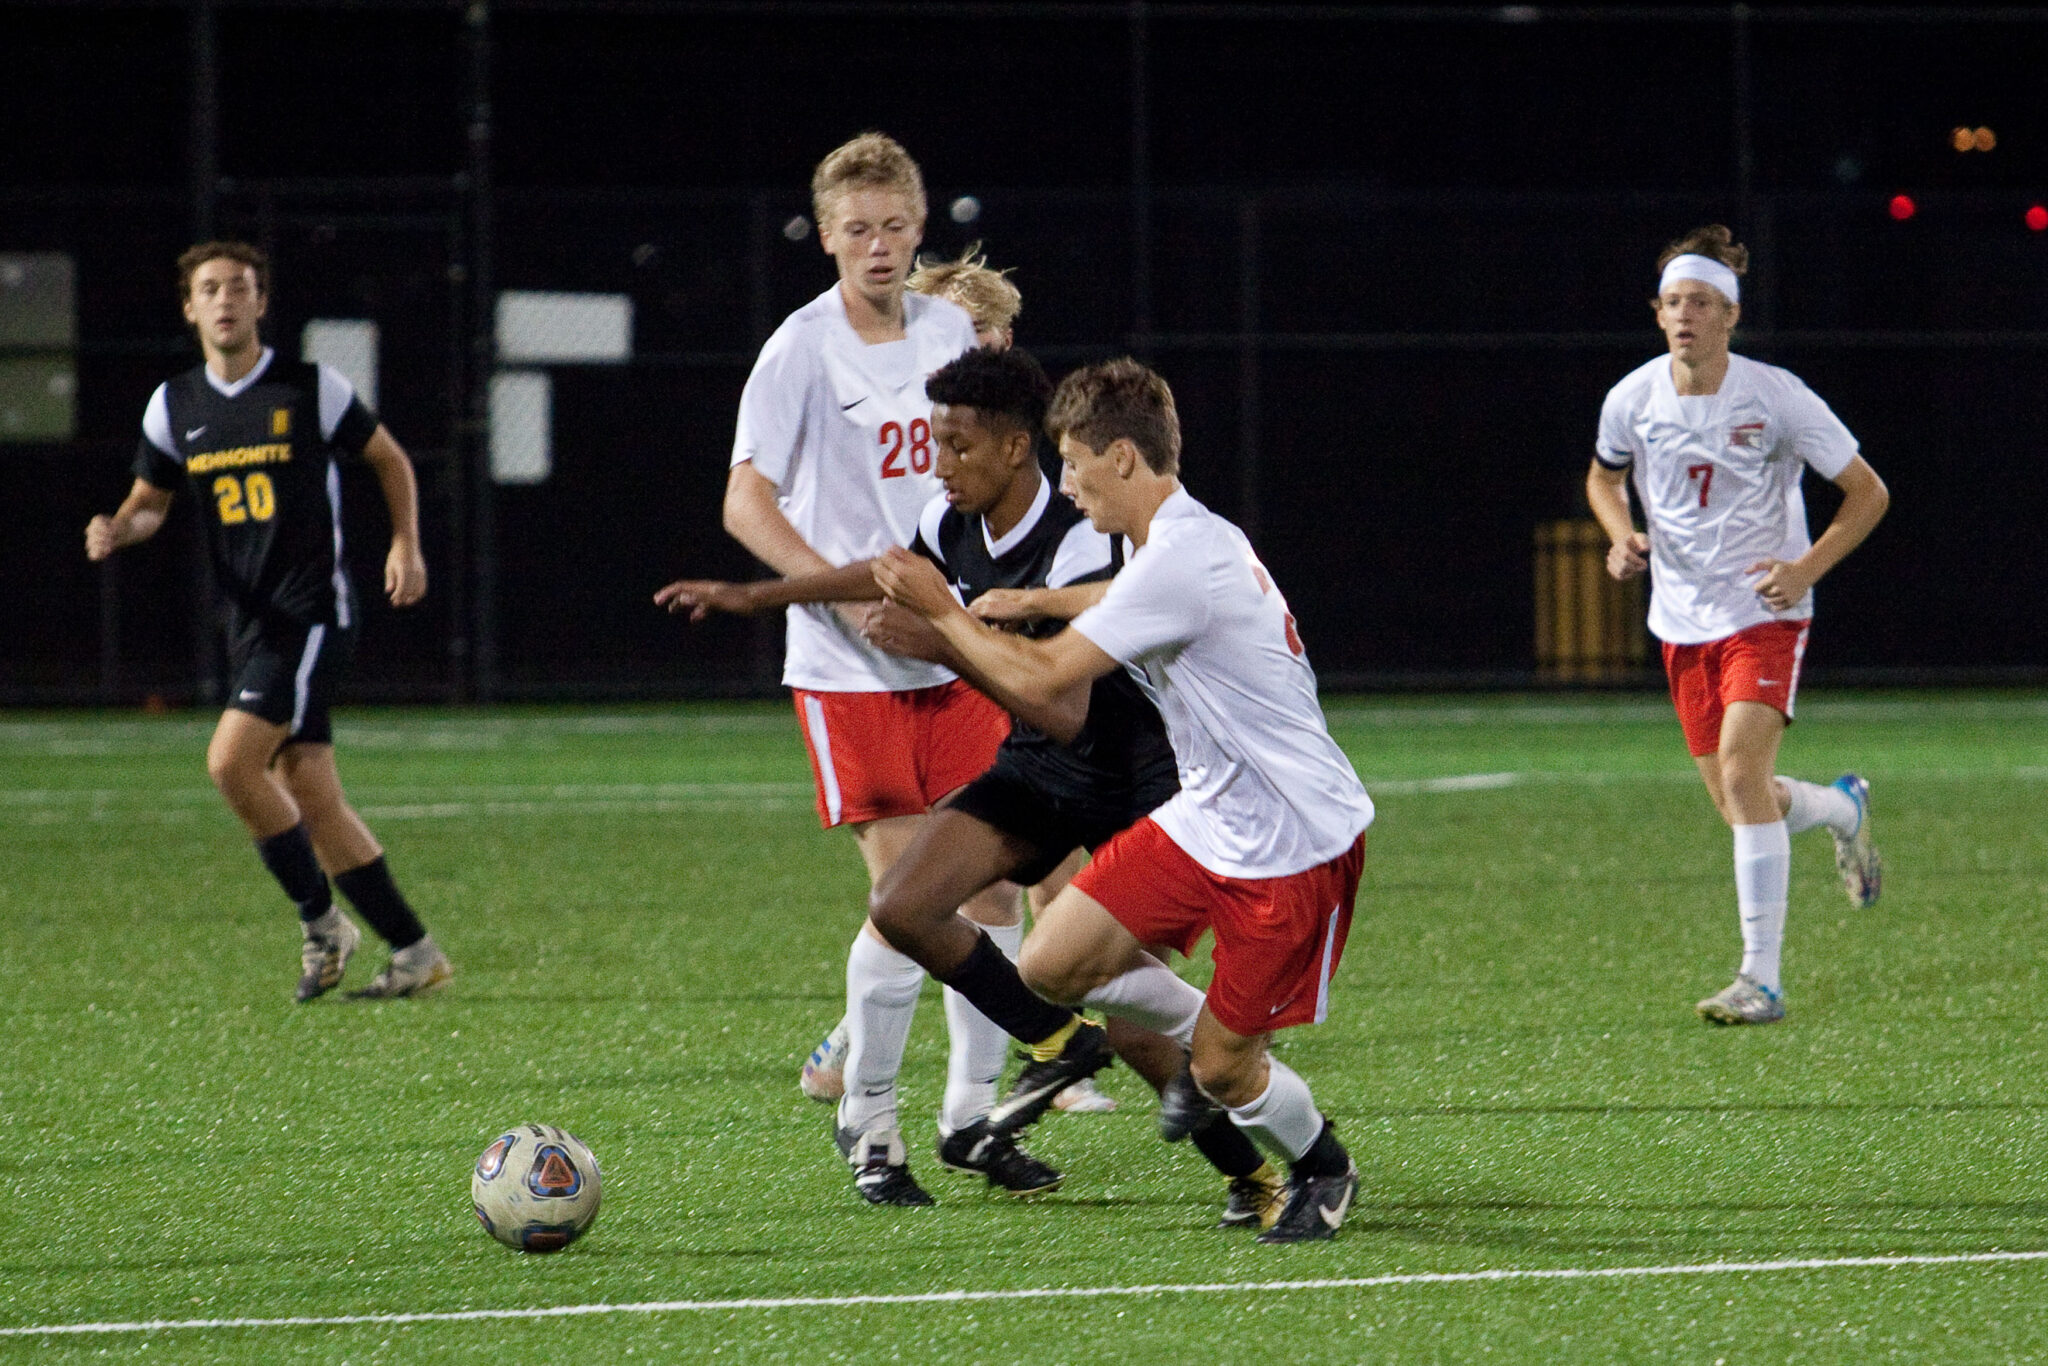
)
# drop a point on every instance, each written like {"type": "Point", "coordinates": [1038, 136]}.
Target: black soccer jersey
{"type": "Point", "coordinates": [260, 457]}
{"type": "Point", "coordinates": [1123, 744]}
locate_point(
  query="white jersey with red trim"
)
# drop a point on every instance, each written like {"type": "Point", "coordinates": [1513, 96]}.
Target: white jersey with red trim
{"type": "Point", "coordinates": [842, 429]}
{"type": "Point", "coordinates": [1264, 790]}
{"type": "Point", "coordinates": [1719, 477]}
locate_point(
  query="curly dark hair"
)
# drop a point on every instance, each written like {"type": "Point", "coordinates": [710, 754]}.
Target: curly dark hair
{"type": "Point", "coordinates": [1010, 382]}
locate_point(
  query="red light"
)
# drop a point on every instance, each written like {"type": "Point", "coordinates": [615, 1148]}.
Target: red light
{"type": "Point", "coordinates": [1903, 207]}
{"type": "Point", "coordinates": [2037, 218]}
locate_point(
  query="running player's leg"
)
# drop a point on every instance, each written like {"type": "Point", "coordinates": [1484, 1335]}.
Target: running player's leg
{"type": "Point", "coordinates": [951, 858]}
{"type": "Point", "coordinates": [1739, 775]}
{"type": "Point", "coordinates": [238, 759]}
{"type": "Point", "coordinates": [1083, 1097]}
{"type": "Point", "coordinates": [1278, 944]}
{"type": "Point", "coordinates": [354, 859]}
{"type": "Point", "coordinates": [882, 987]}
{"type": "Point", "coordinates": [921, 903]}
{"type": "Point", "coordinates": [1843, 806]}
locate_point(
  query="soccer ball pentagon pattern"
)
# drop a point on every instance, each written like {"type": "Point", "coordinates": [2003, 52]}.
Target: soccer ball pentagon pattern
{"type": "Point", "coordinates": [536, 1188]}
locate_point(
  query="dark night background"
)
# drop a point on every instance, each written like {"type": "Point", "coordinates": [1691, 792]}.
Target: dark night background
{"type": "Point", "coordinates": [1391, 261]}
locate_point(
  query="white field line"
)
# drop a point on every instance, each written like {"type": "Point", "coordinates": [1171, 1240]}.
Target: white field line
{"type": "Point", "coordinates": [117, 734]}
{"type": "Point", "coordinates": [1048, 1293]}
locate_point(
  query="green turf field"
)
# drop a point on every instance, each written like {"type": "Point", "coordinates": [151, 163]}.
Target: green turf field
{"type": "Point", "coordinates": [649, 933]}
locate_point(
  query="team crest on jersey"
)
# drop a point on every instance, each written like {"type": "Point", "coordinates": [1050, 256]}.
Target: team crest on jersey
{"type": "Point", "coordinates": [280, 422]}
{"type": "Point", "coordinates": [1749, 436]}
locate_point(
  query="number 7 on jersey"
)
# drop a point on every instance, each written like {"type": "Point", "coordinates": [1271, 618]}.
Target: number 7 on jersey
{"type": "Point", "coordinates": [1705, 474]}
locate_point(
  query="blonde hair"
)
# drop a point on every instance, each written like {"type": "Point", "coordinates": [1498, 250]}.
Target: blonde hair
{"type": "Point", "coordinates": [986, 293]}
{"type": "Point", "coordinates": [872, 161]}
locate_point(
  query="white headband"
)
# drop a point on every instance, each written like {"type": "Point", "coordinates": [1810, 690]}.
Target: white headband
{"type": "Point", "coordinates": [1707, 271]}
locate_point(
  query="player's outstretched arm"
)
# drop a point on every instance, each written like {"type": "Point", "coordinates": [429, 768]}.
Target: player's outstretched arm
{"type": "Point", "coordinates": [405, 568]}
{"type": "Point", "coordinates": [1864, 500]}
{"type": "Point", "coordinates": [139, 517]}
{"type": "Point", "coordinates": [1005, 605]}
{"type": "Point", "coordinates": [1607, 491]}
{"type": "Point", "coordinates": [701, 597]}
{"type": "Point", "coordinates": [1034, 680]}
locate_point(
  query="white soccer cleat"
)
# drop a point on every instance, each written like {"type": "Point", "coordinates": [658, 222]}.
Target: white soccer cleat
{"type": "Point", "coordinates": [330, 941]}
{"type": "Point", "coordinates": [824, 1074]}
{"type": "Point", "coordinates": [1084, 1098]}
{"type": "Point", "coordinates": [414, 970]}
{"type": "Point", "coordinates": [1861, 869]}
{"type": "Point", "coordinates": [1744, 1001]}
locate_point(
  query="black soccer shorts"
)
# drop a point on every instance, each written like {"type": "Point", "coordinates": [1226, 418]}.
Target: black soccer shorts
{"type": "Point", "coordinates": [1054, 817]}
{"type": "Point", "coordinates": [288, 673]}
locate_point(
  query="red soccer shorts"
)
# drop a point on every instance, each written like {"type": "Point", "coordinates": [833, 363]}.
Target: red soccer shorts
{"type": "Point", "coordinates": [878, 754]}
{"type": "Point", "coordinates": [1759, 664]}
{"type": "Point", "coordinates": [1278, 939]}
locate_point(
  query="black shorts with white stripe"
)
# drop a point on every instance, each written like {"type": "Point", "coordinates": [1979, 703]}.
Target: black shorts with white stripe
{"type": "Point", "coordinates": [288, 673]}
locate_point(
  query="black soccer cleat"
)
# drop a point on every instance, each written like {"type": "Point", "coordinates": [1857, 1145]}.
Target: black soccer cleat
{"type": "Point", "coordinates": [1086, 1052]}
{"type": "Point", "coordinates": [979, 1149]}
{"type": "Point", "coordinates": [881, 1172]}
{"type": "Point", "coordinates": [1183, 1109]}
{"type": "Point", "coordinates": [1316, 1206]}
{"type": "Point", "coordinates": [1256, 1201]}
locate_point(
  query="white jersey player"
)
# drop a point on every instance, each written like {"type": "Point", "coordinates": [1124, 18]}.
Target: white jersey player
{"type": "Point", "coordinates": [1717, 445]}
{"type": "Point", "coordinates": [831, 464]}
{"type": "Point", "coordinates": [1265, 840]}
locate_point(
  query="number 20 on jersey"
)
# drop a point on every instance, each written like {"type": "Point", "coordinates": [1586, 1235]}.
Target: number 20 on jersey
{"type": "Point", "coordinates": [900, 457]}
{"type": "Point", "coordinates": [244, 500]}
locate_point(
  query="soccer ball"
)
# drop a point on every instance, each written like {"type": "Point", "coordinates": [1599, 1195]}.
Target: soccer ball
{"type": "Point", "coordinates": [536, 1188]}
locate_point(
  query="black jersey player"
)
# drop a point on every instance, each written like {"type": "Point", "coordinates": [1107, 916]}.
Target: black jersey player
{"type": "Point", "coordinates": [1001, 526]}
{"type": "Point", "coordinates": [257, 440]}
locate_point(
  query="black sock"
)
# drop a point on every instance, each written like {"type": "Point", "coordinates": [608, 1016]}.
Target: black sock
{"type": "Point", "coordinates": [373, 892]}
{"type": "Point", "coordinates": [289, 857]}
{"type": "Point", "coordinates": [990, 982]}
{"type": "Point", "coordinates": [1228, 1149]}
{"type": "Point", "coordinates": [1325, 1156]}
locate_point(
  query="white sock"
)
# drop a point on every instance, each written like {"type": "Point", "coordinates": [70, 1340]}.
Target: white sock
{"type": "Point", "coordinates": [1151, 995]}
{"type": "Point", "coordinates": [979, 1046]}
{"type": "Point", "coordinates": [881, 1000]}
{"type": "Point", "coordinates": [1283, 1120]}
{"type": "Point", "coordinates": [1763, 873]}
{"type": "Point", "coordinates": [1812, 804]}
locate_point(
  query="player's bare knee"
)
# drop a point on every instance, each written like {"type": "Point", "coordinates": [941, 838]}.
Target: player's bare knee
{"type": "Point", "coordinates": [895, 915]}
{"type": "Point", "coordinates": [1228, 1077]}
{"type": "Point", "coordinates": [231, 772]}
{"type": "Point", "coordinates": [1050, 975]}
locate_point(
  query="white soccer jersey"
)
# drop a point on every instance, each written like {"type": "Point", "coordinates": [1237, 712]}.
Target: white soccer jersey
{"type": "Point", "coordinates": [843, 431]}
{"type": "Point", "coordinates": [1719, 476]}
{"type": "Point", "coordinates": [1264, 790]}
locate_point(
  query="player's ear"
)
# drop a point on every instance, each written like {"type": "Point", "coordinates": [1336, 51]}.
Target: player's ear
{"type": "Point", "coordinates": [1125, 452]}
{"type": "Point", "coordinates": [1017, 448]}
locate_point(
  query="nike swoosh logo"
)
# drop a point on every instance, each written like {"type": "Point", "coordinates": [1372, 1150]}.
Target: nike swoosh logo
{"type": "Point", "coordinates": [1016, 1103]}
{"type": "Point", "coordinates": [247, 696]}
{"type": "Point", "coordinates": [1334, 1217]}
{"type": "Point", "coordinates": [193, 435]}
{"type": "Point", "coordinates": [844, 407]}
{"type": "Point", "coordinates": [1767, 682]}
